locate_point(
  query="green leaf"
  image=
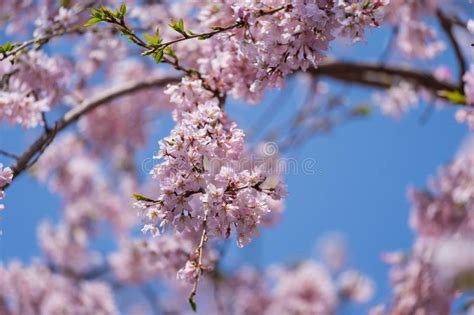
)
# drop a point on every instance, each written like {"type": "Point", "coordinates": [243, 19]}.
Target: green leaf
{"type": "Point", "coordinates": [366, 5]}
{"type": "Point", "coordinates": [158, 56]}
{"type": "Point", "coordinates": [95, 13]}
{"type": "Point", "coordinates": [361, 110]}
{"type": "Point", "coordinates": [130, 38]}
{"type": "Point", "coordinates": [192, 303]}
{"type": "Point", "coordinates": [92, 21]}
{"type": "Point", "coordinates": [65, 3]}
{"type": "Point", "coordinates": [153, 40]}
{"type": "Point", "coordinates": [123, 9]}
{"type": "Point", "coordinates": [454, 96]}
{"type": "Point", "coordinates": [149, 38]}
{"type": "Point", "coordinates": [170, 52]}
{"type": "Point", "coordinates": [178, 26]}
{"type": "Point", "coordinates": [139, 197]}
{"type": "Point", "coordinates": [7, 47]}
{"type": "Point", "coordinates": [464, 282]}
{"type": "Point", "coordinates": [204, 36]}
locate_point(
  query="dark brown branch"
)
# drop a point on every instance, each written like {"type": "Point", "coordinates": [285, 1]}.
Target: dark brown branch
{"type": "Point", "coordinates": [448, 25]}
{"type": "Point", "coordinates": [27, 159]}
{"type": "Point", "coordinates": [380, 76]}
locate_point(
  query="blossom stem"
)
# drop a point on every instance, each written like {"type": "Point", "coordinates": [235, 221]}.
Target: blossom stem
{"type": "Point", "coordinates": [199, 254]}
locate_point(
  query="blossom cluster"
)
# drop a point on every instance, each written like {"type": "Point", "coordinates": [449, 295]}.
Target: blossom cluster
{"type": "Point", "coordinates": [89, 199]}
{"type": "Point", "coordinates": [415, 38]}
{"type": "Point", "coordinates": [467, 115]}
{"type": "Point", "coordinates": [137, 261]}
{"type": "Point", "coordinates": [355, 16]}
{"type": "Point", "coordinates": [441, 263]}
{"type": "Point", "coordinates": [50, 21]}
{"type": "Point", "coordinates": [203, 185]}
{"type": "Point", "coordinates": [446, 208]}
{"type": "Point", "coordinates": [278, 38]}
{"type": "Point", "coordinates": [397, 100]}
{"type": "Point", "coordinates": [124, 124]}
{"type": "Point", "coordinates": [305, 288]}
{"type": "Point", "coordinates": [36, 290]}
{"type": "Point", "coordinates": [31, 85]}
{"type": "Point", "coordinates": [6, 176]}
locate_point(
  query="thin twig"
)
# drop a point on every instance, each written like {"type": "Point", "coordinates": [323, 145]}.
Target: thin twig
{"type": "Point", "coordinates": [199, 254]}
{"type": "Point", "coordinates": [210, 34]}
{"type": "Point", "coordinates": [40, 41]}
{"type": "Point", "coordinates": [9, 155]}
{"type": "Point", "coordinates": [388, 47]}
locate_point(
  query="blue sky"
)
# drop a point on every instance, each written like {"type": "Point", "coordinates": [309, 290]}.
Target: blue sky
{"type": "Point", "coordinates": [359, 187]}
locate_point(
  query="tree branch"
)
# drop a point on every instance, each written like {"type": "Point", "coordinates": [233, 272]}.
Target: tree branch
{"type": "Point", "coordinates": [379, 76]}
{"type": "Point", "coordinates": [448, 24]}
{"type": "Point", "coordinates": [29, 157]}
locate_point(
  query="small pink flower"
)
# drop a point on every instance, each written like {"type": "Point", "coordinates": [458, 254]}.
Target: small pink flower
{"type": "Point", "coordinates": [189, 272]}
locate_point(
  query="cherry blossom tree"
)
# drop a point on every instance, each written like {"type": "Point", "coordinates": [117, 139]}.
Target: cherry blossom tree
{"type": "Point", "coordinates": [87, 78]}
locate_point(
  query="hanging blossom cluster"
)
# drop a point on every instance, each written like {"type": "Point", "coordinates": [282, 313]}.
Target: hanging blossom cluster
{"type": "Point", "coordinates": [6, 176]}
{"type": "Point", "coordinates": [415, 38]}
{"type": "Point", "coordinates": [306, 288]}
{"type": "Point", "coordinates": [31, 84]}
{"type": "Point", "coordinates": [203, 182]}
{"type": "Point", "coordinates": [204, 186]}
{"type": "Point", "coordinates": [89, 200]}
{"type": "Point", "coordinates": [36, 290]}
{"type": "Point", "coordinates": [441, 263]}
{"type": "Point", "coordinates": [137, 261]}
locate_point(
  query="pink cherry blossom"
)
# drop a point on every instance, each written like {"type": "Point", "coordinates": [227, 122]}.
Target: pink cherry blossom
{"type": "Point", "coordinates": [35, 290]}
{"type": "Point", "coordinates": [355, 286]}
{"type": "Point", "coordinates": [468, 79]}
{"type": "Point", "coordinates": [35, 83]}
{"type": "Point", "coordinates": [307, 289]}
{"type": "Point", "coordinates": [6, 176]}
{"type": "Point", "coordinates": [397, 100]}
